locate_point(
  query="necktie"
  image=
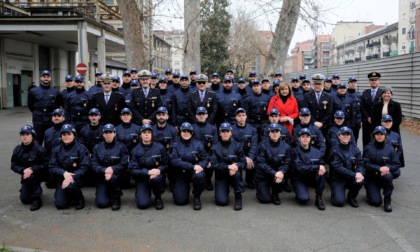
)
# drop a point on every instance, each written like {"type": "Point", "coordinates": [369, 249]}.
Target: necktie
{"type": "Point", "coordinates": [146, 92]}
{"type": "Point", "coordinates": [201, 96]}
{"type": "Point", "coordinates": [373, 94]}
{"type": "Point", "coordinates": [106, 98]}
{"type": "Point", "coordinates": [317, 98]}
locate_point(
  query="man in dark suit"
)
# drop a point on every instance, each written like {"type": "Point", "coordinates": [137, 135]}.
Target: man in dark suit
{"type": "Point", "coordinates": [320, 104]}
{"type": "Point", "coordinates": [369, 98]}
{"type": "Point", "coordinates": [145, 101]}
{"type": "Point", "coordinates": [109, 103]}
{"type": "Point", "coordinates": [202, 97]}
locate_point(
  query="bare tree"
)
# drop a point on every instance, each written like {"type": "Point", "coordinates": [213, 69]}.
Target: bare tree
{"type": "Point", "coordinates": [132, 19]}
{"type": "Point", "coordinates": [285, 28]}
{"type": "Point", "coordinates": [192, 29]}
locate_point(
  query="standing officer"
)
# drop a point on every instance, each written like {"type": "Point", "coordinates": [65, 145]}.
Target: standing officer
{"type": "Point", "coordinates": [125, 87]}
{"type": "Point", "coordinates": [320, 104]}
{"type": "Point", "coordinates": [265, 87]}
{"type": "Point", "coordinates": [247, 136]}
{"type": "Point", "coordinates": [193, 79]}
{"type": "Point", "coordinates": [227, 160]}
{"type": "Point", "coordinates": [368, 99]}
{"type": "Point", "coordinates": [42, 101]}
{"type": "Point", "coordinates": [166, 95]}
{"type": "Point", "coordinates": [109, 160]}
{"type": "Point", "coordinates": [175, 82]}
{"type": "Point", "coordinates": [115, 83]}
{"type": "Point", "coordinates": [169, 76]}
{"type": "Point", "coordinates": [148, 162]}
{"type": "Point", "coordinates": [207, 134]}
{"type": "Point", "coordinates": [227, 103]}
{"type": "Point", "coordinates": [188, 161]}
{"type": "Point", "coordinates": [135, 74]}
{"type": "Point", "coordinates": [345, 103]}
{"type": "Point", "coordinates": [307, 168]}
{"type": "Point", "coordinates": [335, 78]}
{"type": "Point", "coordinates": [78, 105]}
{"type": "Point", "coordinates": [180, 112]}
{"type": "Point", "coordinates": [202, 97]}
{"type": "Point", "coordinates": [242, 89]}
{"type": "Point", "coordinates": [108, 103]}
{"type": "Point", "coordinates": [91, 133]}
{"type": "Point", "coordinates": [145, 101]}
{"type": "Point", "coordinates": [346, 169]}
{"type": "Point", "coordinates": [278, 76]}
{"type": "Point", "coordinates": [327, 86]}
{"type": "Point", "coordinates": [29, 159]}
{"type": "Point", "coordinates": [215, 83]}
{"type": "Point", "coordinates": [69, 83]}
{"type": "Point", "coordinates": [163, 132]}
{"type": "Point", "coordinates": [357, 96]}
{"type": "Point", "coordinates": [69, 163]}
{"type": "Point", "coordinates": [52, 135]}
{"type": "Point", "coordinates": [154, 80]}
{"type": "Point", "coordinates": [98, 85]}
{"type": "Point", "coordinates": [256, 105]}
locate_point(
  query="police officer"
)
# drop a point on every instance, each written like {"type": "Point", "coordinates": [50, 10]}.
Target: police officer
{"type": "Point", "coordinates": [227, 103]}
{"type": "Point", "coordinates": [246, 135]}
{"type": "Point", "coordinates": [275, 87]}
{"type": "Point", "coordinates": [382, 166]}
{"type": "Point", "coordinates": [69, 83]}
{"type": "Point", "coordinates": [242, 89]}
{"type": "Point", "coordinates": [78, 104]}
{"type": "Point", "coordinates": [207, 134]}
{"type": "Point", "coordinates": [134, 84]}
{"type": "Point", "coordinates": [42, 101]}
{"type": "Point", "coordinates": [98, 85]}
{"type": "Point", "coordinates": [307, 168]}
{"type": "Point", "coordinates": [273, 161]}
{"type": "Point", "coordinates": [135, 73]}
{"type": "Point", "coordinates": [215, 83]}
{"type": "Point", "coordinates": [202, 97]}
{"type": "Point", "coordinates": [175, 82]}
{"type": "Point", "coordinates": [193, 79]}
{"type": "Point", "coordinates": [345, 103]}
{"type": "Point", "coordinates": [145, 101]}
{"type": "Point", "coordinates": [166, 95]}
{"type": "Point", "coordinates": [125, 87]}
{"type": "Point", "coordinates": [306, 88]}
{"type": "Point", "coordinates": [53, 134]}
{"type": "Point", "coordinates": [297, 90]}
{"type": "Point", "coordinates": [317, 139]}
{"type": "Point", "coordinates": [128, 132]}
{"type": "Point", "coordinates": [69, 163]}
{"type": "Point", "coordinates": [227, 160]}
{"type": "Point", "coordinates": [91, 133]}
{"type": "Point", "coordinates": [188, 161]}
{"type": "Point", "coordinates": [327, 86]}
{"type": "Point", "coordinates": [147, 165]}
{"type": "Point", "coordinates": [154, 80]}
{"type": "Point", "coordinates": [115, 83]}
{"type": "Point", "coordinates": [278, 76]}
{"type": "Point", "coordinates": [356, 95]}
{"type": "Point", "coordinates": [180, 112]}
{"type": "Point", "coordinates": [265, 87]}
{"type": "Point", "coordinates": [346, 170]}
{"type": "Point", "coordinates": [393, 138]}
{"type": "Point", "coordinates": [335, 78]}
{"type": "Point", "coordinates": [109, 103]}
{"type": "Point", "coordinates": [29, 159]}
{"type": "Point", "coordinates": [256, 105]}
{"type": "Point", "coordinates": [169, 76]}
{"type": "Point", "coordinates": [109, 159]}
{"type": "Point", "coordinates": [274, 117]}
{"type": "Point", "coordinates": [163, 132]}
{"type": "Point", "coordinates": [320, 104]}
{"type": "Point", "coordinates": [332, 137]}
{"type": "Point", "coordinates": [252, 76]}
{"type": "Point", "coordinates": [369, 98]}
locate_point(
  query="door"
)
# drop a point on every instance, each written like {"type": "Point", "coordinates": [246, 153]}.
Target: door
{"type": "Point", "coordinates": [24, 82]}
{"type": "Point", "coordinates": [9, 91]}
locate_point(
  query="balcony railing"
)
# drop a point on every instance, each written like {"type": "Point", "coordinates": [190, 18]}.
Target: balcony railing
{"type": "Point", "coordinates": [369, 45]}
{"type": "Point", "coordinates": [375, 56]}
{"type": "Point", "coordinates": [357, 59]}
{"type": "Point", "coordinates": [369, 57]}
{"type": "Point", "coordinates": [376, 43]}
{"type": "Point", "coordinates": [360, 48]}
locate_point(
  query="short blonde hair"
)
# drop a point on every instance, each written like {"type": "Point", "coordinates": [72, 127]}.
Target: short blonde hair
{"type": "Point", "coordinates": [283, 85]}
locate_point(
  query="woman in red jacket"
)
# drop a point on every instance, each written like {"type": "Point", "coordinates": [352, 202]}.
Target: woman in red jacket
{"type": "Point", "coordinates": [286, 104]}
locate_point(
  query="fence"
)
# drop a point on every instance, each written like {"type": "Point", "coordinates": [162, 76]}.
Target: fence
{"type": "Point", "coordinates": [402, 73]}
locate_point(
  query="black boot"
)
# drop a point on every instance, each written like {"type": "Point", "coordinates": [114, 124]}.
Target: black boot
{"type": "Point", "coordinates": [275, 198]}
{"type": "Point", "coordinates": [116, 204]}
{"type": "Point", "coordinates": [238, 202]}
{"type": "Point", "coordinates": [387, 204]}
{"type": "Point", "coordinates": [250, 183]}
{"type": "Point", "coordinates": [209, 185]}
{"type": "Point", "coordinates": [158, 203]}
{"type": "Point", "coordinates": [319, 202]}
{"type": "Point", "coordinates": [36, 204]}
{"type": "Point", "coordinates": [197, 203]}
{"type": "Point", "coordinates": [80, 203]}
{"type": "Point", "coordinates": [352, 202]}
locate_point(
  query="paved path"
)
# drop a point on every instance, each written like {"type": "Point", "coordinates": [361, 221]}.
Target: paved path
{"type": "Point", "coordinates": [288, 227]}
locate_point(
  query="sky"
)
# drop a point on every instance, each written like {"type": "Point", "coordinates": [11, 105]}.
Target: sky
{"type": "Point", "coordinates": [265, 14]}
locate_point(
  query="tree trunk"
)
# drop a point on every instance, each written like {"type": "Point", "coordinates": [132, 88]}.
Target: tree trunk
{"type": "Point", "coordinates": [132, 20]}
{"type": "Point", "coordinates": [285, 29]}
{"type": "Point", "coordinates": [192, 27]}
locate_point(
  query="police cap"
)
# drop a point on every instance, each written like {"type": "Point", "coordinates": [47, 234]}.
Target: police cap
{"type": "Point", "coordinates": [94, 111]}
{"type": "Point", "coordinates": [344, 130]}
{"type": "Point", "coordinates": [274, 112]}
{"type": "Point", "coordinates": [339, 114]}
{"type": "Point", "coordinates": [27, 129]}
{"type": "Point", "coordinates": [58, 112]}
{"type": "Point", "coordinates": [126, 111]}
{"type": "Point", "coordinates": [134, 83]}
{"type": "Point", "coordinates": [386, 118]}
{"type": "Point", "coordinates": [374, 76]}
{"type": "Point", "coordinates": [201, 110]}
{"type": "Point", "coordinates": [240, 110]}
{"type": "Point", "coordinates": [379, 129]}
{"type": "Point", "coordinates": [305, 131]}
{"type": "Point", "coordinates": [106, 78]}
{"type": "Point", "coordinates": [45, 72]}
{"type": "Point", "coordinates": [68, 128]}
{"type": "Point", "coordinates": [146, 127]}
{"type": "Point", "coordinates": [225, 126]}
{"type": "Point", "coordinates": [69, 78]}
{"type": "Point", "coordinates": [187, 126]}
{"type": "Point", "coordinates": [145, 74]}
{"type": "Point", "coordinates": [304, 112]}
{"type": "Point", "coordinates": [162, 110]}
{"type": "Point", "coordinates": [108, 128]}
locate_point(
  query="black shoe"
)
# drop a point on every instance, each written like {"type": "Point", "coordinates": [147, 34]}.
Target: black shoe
{"type": "Point", "coordinates": [251, 184]}
{"type": "Point", "coordinates": [352, 202]}
{"type": "Point", "coordinates": [238, 202]}
{"type": "Point", "coordinates": [319, 202]}
{"type": "Point", "coordinates": [276, 199]}
{"type": "Point", "coordinates": [197, 203]}
{"type": "Point", "coordinates": [80, 203]}
{"type": "Point", "coordinates": [36, 204]}
{"type": "Point", "coordinates": [287, 188]}
{"type": "Point", "coordinates": [209, 185]}
{"type": "Point", "coordinates": [116, 204]}
{"type": "Point", "coordinates": [387, 204]}
{"type": "Point", "coordinates": [158, 203]}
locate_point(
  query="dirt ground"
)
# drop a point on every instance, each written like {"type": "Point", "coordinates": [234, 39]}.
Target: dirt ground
{"type": "Point", "coordinates": [411, 125]}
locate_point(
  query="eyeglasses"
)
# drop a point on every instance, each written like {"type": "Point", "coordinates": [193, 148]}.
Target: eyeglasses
{"type": "Point", "coordinates": [201, 83]}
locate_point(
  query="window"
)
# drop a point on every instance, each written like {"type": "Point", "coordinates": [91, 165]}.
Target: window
{"type": "Point", "coordinates": [403, 31]}
{"type": "Point", "coordinates": [176, 63]}
{"type": "Point", "coordinates": [403, 46]}
{"type": "Point", "coordinates": [404, 16]}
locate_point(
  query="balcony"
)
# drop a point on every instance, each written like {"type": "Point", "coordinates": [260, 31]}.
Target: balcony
{"type": "Point", "coordinates": [412, 19]}
{"type": "Point", "coordinates": [375, 56]}
{"type": "Point", "coordinates": [350, 51]}
{"type": "Point", "coordinates": [386, 54]}
{"type": "Point", "coordinates": [410, 36]}
{"type": "Point", "coordinates": [369, 45]}
{"type": "Point", "coordinates": [369, 57]}
{"type": "Point", "coordinates": [348, 61]}
{"type": "Point", "coordinates": [376, 43]}
{"type": "Point", "coordinates": [413, 4]}
{"type": "Point", "coordinates": [357, 59]}
{"type": "Point", "coordinates": [360, 48]}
